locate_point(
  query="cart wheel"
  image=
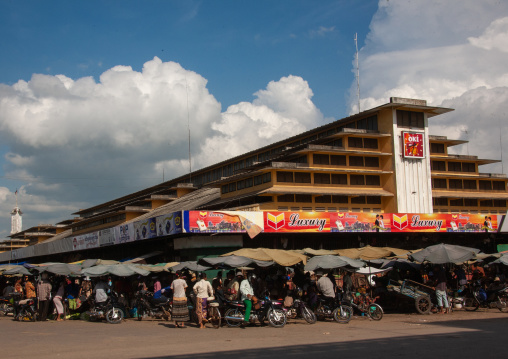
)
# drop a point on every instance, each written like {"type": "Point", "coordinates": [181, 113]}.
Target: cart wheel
{"type": "Point", "coordinates": [423, 304]}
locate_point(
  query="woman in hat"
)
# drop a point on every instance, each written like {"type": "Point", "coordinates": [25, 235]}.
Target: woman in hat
{"type": "Point", "coordinates": [180, 310]}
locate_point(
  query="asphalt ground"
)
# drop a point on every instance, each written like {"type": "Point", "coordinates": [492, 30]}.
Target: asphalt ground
{"type": "Point", "coordinates": [457, 335]}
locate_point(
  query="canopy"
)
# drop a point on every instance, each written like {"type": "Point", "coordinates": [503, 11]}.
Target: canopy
{"type": "Point", "coordinates": [281, 257]}
{"type": "Point", "coordinates": [369, 253]}
{"type": "Point", "coordinates": [501, 260]}
{"type": "Point", "coordinates": [235, 261]}
{"type": "Point", "coordinates": [330, 262]}
{"type": "Point", "coordinates": [315, 252]}
{"type": "Point", "coordinates": [87, 263]}
{"type": "Point", "coordinates": [17, 270]}
{"type": "Point", "coordinates": [372, 270]}
{"type": "Point", "coordinates": [444, 253]}
{"type": "Point", "coordinates": [191, 265]}
{"type": "Point", "coordinates": [399, 263]}
{"type": "Point", "coordinates": [6, 267]}
{"type": "Point", "coordinates": [59, 269]}
{"type": "Point", "coordinates": [121, 270]}
{"type": "Point", "coordinates": [160, 267]}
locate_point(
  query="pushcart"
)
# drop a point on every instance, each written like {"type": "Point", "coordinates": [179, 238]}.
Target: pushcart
{"type": "Point", "coordinates": [420, 293]}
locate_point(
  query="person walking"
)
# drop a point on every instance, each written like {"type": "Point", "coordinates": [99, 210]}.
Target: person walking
{"type": "Point", "coordinates": [44, 296]}
{"type": "Point", "coordinates": [180, 310]}
{"type": "Point", "coordinates": [58, 300]}
{"type": "Point", "coordinates": [203, 290]}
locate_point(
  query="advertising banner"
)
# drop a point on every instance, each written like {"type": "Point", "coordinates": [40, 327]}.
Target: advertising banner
{"type": "Point", "coordinates": [169, 224]}
{"type": "Point", "coordinates": [212, 222]}
{"type": "Point", "coordinates": [412, 143]}
{"type": "Point", "coordinates": [124, 233]}
{"type": "Point", "coordinates": [420, 222]}
{"type": "Point", "coordinates": [107, 237]}
{"type": "Point", "coordinates": [360, 222]}
{"type": "Point", "coordinates": [297, 221]}
{"type": "Point", "coordinates": [85, 241]}
{"type": "Point", "coordinates": [145, 229]}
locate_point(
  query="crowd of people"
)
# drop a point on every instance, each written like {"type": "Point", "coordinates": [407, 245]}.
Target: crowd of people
{"type": "Point", "coordinates": [188, 289]}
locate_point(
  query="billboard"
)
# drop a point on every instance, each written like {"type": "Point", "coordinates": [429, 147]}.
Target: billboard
{"type": "Point", "coordinates": [360, 222]}
{"type": "Point", "coordinates": [413, 145]}
{"type": "Point", "coordinates": [168, 224]}
{"type": "Point", "coordinates": [296, 221]}
{"type": "Point", "coordinates": [85, 241]}
{"type": "Point", "coordinates": [212, 222]}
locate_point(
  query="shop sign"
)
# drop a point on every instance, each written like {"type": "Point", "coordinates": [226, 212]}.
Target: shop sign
{"type": "Point", "coordinates": [85, 241]}
{"type": "Point", "coordinates": [413, 145]}
{"type": "Point", "coordinates": [169, 224]}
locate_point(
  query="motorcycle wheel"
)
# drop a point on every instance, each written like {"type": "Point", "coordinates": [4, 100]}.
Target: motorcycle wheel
{"type": "Point", "coordinates": [308, 314]}
{"type": "Point", "coordinates": [471, 303]}
{"type": "Point", "coordinates": [214, 317]}
{"type": "Point", "coordinates": [343, 314]}
{"type": "Point", "coordinates": [233, 312]}
{"type": "Point", "coordinates": [502, 304]}
{"type": "Point", "coordinates": [375, 312]}
{"type": "Point", "coordinates": [114, 316]}
{"type": "Point", "coordinates": [276, 317]}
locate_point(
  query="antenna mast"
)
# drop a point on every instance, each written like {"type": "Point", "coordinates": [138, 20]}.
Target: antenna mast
{"type": "Point", "coordinates": [188, 128]}
{"type": "Point", "coordinates": [357, 72]}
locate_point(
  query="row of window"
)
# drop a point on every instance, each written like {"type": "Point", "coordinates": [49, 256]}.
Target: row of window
{"type": "Point", "coordinates": [468, 202]}
{"type": "Point", "coordinates": [410, 119]}
{"type": "Point", "coordinates": [453, 166]}
{"type": "Point", "coordinates": [247, 183]}
{"type": "Point", "coordinates": [437, 148]}
{"type": "Point", "coordinates": [342, 160]}
{"type": "Point", "coordinates": [307, 198]}
{"type": "Point", "coordinates": [483, 185]}
{"type": "Point", "coordinates": [328, 178]}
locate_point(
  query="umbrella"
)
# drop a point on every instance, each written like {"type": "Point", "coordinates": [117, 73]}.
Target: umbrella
{"type": "Point", "coordinates": [279, 256]}
{"type": "Point", "coordinates": [160, 267]}
{"type": "Point", "coordinates": [17, 270]}
{"type": "Point", "coordinates": [60, 269]}
{"type": "Point", "coordinates": [501, 260]}
{"type": "Point", "coordinates": [330, 262]}
{"type": "Point", "coordinates": [235, 261]}
{"type": "Point", "coordinates": [369, 252]}
{"type": "Point", "coordinates": [121, 270]}
{"type": "Point", "coordinates": [444, 253]}
{"type": "Point", "coordinates": [190, 265]}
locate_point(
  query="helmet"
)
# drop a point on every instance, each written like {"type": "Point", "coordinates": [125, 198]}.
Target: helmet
{"type": "Point", "coordinates": [252, 277]}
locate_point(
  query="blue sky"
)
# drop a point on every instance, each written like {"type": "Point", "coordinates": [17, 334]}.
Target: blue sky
{"type": "Point", "coordinates": [96, 96]}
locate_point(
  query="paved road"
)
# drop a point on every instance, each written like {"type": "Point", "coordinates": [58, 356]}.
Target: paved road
{"type": "Point", "coordinates": [460, 334]}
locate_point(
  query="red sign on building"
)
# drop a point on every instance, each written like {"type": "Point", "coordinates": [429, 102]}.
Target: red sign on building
{"type": "Point", "coordinates": [413, 145]}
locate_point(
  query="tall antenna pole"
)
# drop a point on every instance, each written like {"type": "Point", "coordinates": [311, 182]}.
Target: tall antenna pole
{"type": "Point", "coordinates": [501, 145]}
{"type": "Point", "coordinates": [188, 127]}
{"type": "Point", "coordinates": [357, 72]}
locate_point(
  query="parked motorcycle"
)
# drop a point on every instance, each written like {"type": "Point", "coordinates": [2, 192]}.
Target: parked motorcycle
{"type": "Point", "coordinates": [262, 310]}
{"type": "Point", "coordinates": [364, 304]}
{"type": "Point", "coordinates": [111, 309]}
{"type": "Point", "coordinates": [333, 308]}
{"type": "Point", "coordinates": [26, 310]}
{"type": "Point", "coordinates": [6, 306]}
{"type": "Point", "coordinates": [476, 297]}
{"type": "Point", "coordinates": [155, 308]}
{"type": "Point", "coordinates": [297, 308]}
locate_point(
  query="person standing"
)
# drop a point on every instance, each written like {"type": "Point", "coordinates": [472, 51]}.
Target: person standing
{"type": "Point", "coordinates": [180, 309]}
{"type": "Point", "coordinates": [18, 288]}
{"type": "Point", "coordinates": [44, 296]}
{"type": "Point", "coordinates": [57, 300]}
{"type": "Point", "coordinates": [247, 293]}
{"type": "Point", "coordinates": [29, 289]}
{"type": "Point", "coordinates": [203, 290]}
{"type": "Point", "coordinates": [442, 299]}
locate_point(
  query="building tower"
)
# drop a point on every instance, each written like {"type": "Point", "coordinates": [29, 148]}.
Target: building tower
{"type": "Point", "coordinates": [16, 217]}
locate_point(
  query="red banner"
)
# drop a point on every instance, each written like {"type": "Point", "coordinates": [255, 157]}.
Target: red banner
{"type": "Point", "coordinates": [297, 222]}
{"type": "Point", "coordinates": [413, 144]}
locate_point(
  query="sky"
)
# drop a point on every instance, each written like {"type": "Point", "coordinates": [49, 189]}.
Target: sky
{"type": "Point", "coordinates": [96, 98]}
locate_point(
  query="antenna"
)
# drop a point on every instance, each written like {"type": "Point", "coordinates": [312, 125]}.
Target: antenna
{"type": "Point", "coordinates": [501, 146]}
{"type": "Point", "coordinates": [357, 72]}
{"type": "Point", "coordinates": [188, 127]}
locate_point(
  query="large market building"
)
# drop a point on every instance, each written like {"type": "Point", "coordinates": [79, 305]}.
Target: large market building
{"type": "Point", "coordinates": [380, 163]}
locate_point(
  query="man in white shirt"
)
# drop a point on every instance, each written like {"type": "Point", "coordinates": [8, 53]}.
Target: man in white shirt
{"type": "Point", "coordinates": [325, 286]}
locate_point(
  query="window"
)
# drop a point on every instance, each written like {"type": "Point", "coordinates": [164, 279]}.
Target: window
{"type": "Point", "coordinates": [458, 202]}
{"type": "Point", "coordinates": [339, 199]}
{"type": "Point", "coordinates": [410, 119]}
{"type": "Point", "coordinates": [486, 203]}
{"type": "Point", "coordinates": [285, 176]}
{"type": "Point", "coordinates": [440, 201]}
{"type": "Point", "coordinates": [321, 178]}
{"type": "Point", "coordinates": [468, 167]}
{"type": "Point", "coordinates": [225, 189]}
{"type": "Point", "coordinates": [498, 186]}
{"type": "Point", "coordinates": [370, 143]}
{"type": "Point", "coordinates": [335, 143]}
{"type": "Point", "coordinates": [455, 183]}
{"type": "Point", "coordinates": [319, 159]}
{"type": "Point", "coordinates": [371, 162]}
{"type": "Point", "coordinates": [499, 203]}
{"type": "Point", "coordinates": [337, 160]}
{"type": "Point", "coordinates": [355, 142]}
{"type": "Point", "coordinates": [356, 161]}
{"type": "Point", "coordinates": [361, 124]}
{"type": "Point", "coordinates": [372, 180]}
{"type": "Point", "coordinates": [471, 202]}
{"type": "Point", "coordinates": [437, 148]}
{"type": "Point", "coordinates": [267, 177]}
{"type": "Point", "coordinates": [258, 180]}
{"type": "Point", "coordinates": [438, 183]}
{"type": "Point", "coordinates": [373, 199]}
{"type": "Point", "coordinates": [323, 199]}
{"type": "Point", "coordinates": [356, 180]}
{"type": "Point", "coordinates": [485, 185]}
{"type": "Point", "coordinates": [340, 178]}
{"type": "Point", "coordinates": [248, 182]}
{"type": "Point", "coordinates": [240, 185]}
{"type": "Point", "coordinates": [372, 123]}
{"type": "Point", "coordinates": [301, 159]}
{"type": "Point", "coordinates": [438, 165]}
{"type": "Point", "coordinates": [454, 167]}
{"type": "Point", "coordinates": [302, 177]}
{"type": "Point", "coordinates": [358, 200]}
{"type": "Point", "coordinates": [469, 184]}
{"type": "Point", "coordinates": [232, 187]}
{"type": "Point", "coordinates": [286, 198]}
{"type": "Point", "coordinates": [303, 198]}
